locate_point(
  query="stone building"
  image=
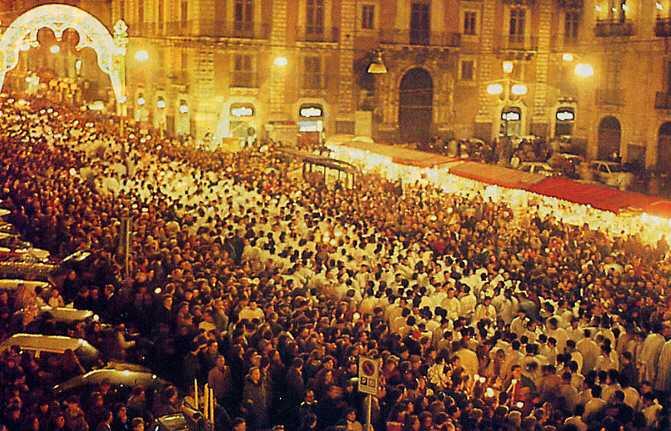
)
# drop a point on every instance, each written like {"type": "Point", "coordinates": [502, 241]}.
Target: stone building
{"type": "Point", "coordinates": [454, 68]}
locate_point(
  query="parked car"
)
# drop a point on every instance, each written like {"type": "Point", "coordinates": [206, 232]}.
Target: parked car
{"type": "Point", "coordinates": [41, 345]}
{"type": "Point", "coordinates": [567, 163]}
{"type": "Point", "coordinates": [539, 168]}
{"type": "Point", "coordinates": [13, 283]}
{"type": "Point", "coordinates": [612, 174]}
{"type": "Point", "coordinates": [117, 378]}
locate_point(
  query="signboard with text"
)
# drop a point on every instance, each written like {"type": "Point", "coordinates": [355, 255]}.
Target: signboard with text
{"type": "Point", "coordinates": [369, 375]}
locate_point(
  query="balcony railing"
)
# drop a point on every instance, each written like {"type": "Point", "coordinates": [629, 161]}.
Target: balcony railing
{"type": "Point", "coordinates": [420, 38]}
{"type": "Point", "coordinates": [314, 82]}
{"type": "Point", "coordinates": [318, 34]}
{"type": "Point", "coordinates": [519, 42]}
{"type": "Point", "coordinates": [244, 79]}
{"type": "Point", "coordinates": [663, 100]}
{"type": "Point", "coordinates": [613, 27]}
{"type": "Point", "coordinates": [219, 29]}
{"type": "Point", "coordinates": [663, 27]}
{"type": "Point", "coordinates": [609, 96]}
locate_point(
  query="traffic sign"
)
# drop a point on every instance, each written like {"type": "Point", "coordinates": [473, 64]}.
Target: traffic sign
{"type": "Point", "coordinates": [369, 375]}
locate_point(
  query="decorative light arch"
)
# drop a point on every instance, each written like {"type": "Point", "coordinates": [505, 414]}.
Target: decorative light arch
{"type": "Point", "coordinates": [21, 35]}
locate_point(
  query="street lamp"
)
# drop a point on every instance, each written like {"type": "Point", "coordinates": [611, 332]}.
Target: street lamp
{"type": "Point", "coordinates": [584, 70]}
{"type": "Point", "coordinates": [55, 49]}
{"type": "Point", "coordinates": [507, 90]}
{"type": "Point", "coordinates": [141, 56]}
{"type": "Point", "coordinates": [280, 61]}
{"type": "Point", "coordinates": [377, 66]}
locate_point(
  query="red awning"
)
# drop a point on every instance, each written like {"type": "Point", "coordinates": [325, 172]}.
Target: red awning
{"type": "Point", "coordinates": [492, 174]}
{"type": "Point", "coordinates": [596, 195]}
{"type": "Point", "coordinates": [659, 208]}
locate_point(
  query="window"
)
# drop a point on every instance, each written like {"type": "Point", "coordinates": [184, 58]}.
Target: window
{"type": "Point", "coordinates": [161, 12]}
{"type": "Point", "coordinates": [517, 22]}
{"type": "Point", "coordinates": [140, 13]}
{"type": "Point", "coordinates": [243, 71]}
{"type": "Point", "coordinates": [184, 12]}
{"type": "Point", "coordinates": [313, 78]}
{"type": "Point", "coordinates": [470, 22]}
{"type": "Point", "coordinates": [420, 23]}
{"type": "Point", "coordinates": [122, 9]}
{"type": "Point", "coordinates": [667, 76]}
{"type": "Point", "coordinates": [244, 15]}
{"type": "Point", "coordinates": [467, 70]}
{"type": "Point", "coordinates": [314, 17]}
{"type": "Point", "coordinates": [571, 21]}
{"type": "Point", "coordinates": [617, 10]}
{"type": "Point", "coordinates": [612, 77]}
{"type": "Point", "coordinates": [368, 17]}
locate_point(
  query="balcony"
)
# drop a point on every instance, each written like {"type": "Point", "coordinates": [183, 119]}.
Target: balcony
{"type": "Point", "coordinates": [244, 79]}
{"type": "Point", "coordinates": [609, 96]}
{"type": "Point", "coordinates": [663, 100]}
{"type": "Point", "coordinates": [420, 38]}
{"type": "Point", "coordinates": [220, 29]}
{"type": "Point", "coordinates": [318, 34]}
{"type": "Point", "coordinates": [663, 27]}
{"type": "Point", "coordinates": [613, 28]}
{"type": "Point", "coordinates": [518, 42]}
{"type": "Point", "coordinates": [313, 82]}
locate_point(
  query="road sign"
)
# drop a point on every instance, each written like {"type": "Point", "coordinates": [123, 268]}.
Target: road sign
{"type": "Point", "coordinates": [369, 375]}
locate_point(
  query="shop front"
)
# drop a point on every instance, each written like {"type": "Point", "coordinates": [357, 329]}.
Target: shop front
{"type": "Point", "coordinates": [564, 121]}
{"type": "Point", "coordinates": [242, 120]}
{"type": "Point", "coordinates": [511, 121]}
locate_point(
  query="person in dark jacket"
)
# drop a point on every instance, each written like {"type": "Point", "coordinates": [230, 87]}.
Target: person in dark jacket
{"type": "Point", "coordinates": [255, 400]}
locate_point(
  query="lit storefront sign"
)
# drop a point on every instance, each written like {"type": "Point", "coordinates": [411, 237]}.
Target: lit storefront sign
{"type": "Point", "coordinates": [311, 118]}
{"type": "Point", "coordinates": [511, 114]}
{"type": "Point", "coordinates": [311, 111]}
{"type": "Point", "coordinates": [565, 114]}
{"type": "Point", "coordinates": [242, 111]}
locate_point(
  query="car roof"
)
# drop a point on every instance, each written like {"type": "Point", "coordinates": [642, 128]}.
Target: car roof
{"type": "Point", "coordinates": [44, 343]}
{"type": "Point", "coordinates": [67, 314]}
{"type": "Point", "coordinates": [13, 283]}
{"type": "Point", "coordinates": [174, 422]}
{"type": "Point", "coordinates": [115, 377]}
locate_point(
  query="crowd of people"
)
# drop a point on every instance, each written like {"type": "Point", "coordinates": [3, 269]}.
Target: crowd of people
{"type": "Point", "coordinates": [241, 276]}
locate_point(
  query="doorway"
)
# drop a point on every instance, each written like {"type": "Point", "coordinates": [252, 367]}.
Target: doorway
{"type": "Point", "coordinates": [416, 106]}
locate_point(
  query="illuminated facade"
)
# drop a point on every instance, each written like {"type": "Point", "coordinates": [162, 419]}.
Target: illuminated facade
{"type": "Point", "coordinates": [454, 67]}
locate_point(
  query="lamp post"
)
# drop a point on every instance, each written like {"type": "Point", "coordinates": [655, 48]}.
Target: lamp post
{"type": "Point", "coordinates": [508, 90]}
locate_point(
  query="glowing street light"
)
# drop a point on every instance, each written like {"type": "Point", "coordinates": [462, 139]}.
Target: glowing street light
{"type": "Point", "coordinates": [141, 55]}
{"type": "Point", "coordinates": [183, 108]}
{"type": "Point", "coordinates": [584, 70]}
{"type": "Point", "coordinates": [160, 103]}
{"type": "Point", "coordinates": [507, 66]}
{"type": "Point", "coordinates": [55, 49]}
{"type": "Point", "coordinates": [518, 90]}
{"type": "Point", "coordinates": [495, 89]}
{"type": "Point", "coordinates": [280, 61]}
{"type": "Point", "coordinates": [140, 101]}
{"type": "Point", "coordinates": [567, 57]}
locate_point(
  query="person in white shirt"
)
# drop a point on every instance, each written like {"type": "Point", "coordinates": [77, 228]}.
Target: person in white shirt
{"type": "Point", "coordinates": [468, 301]}
{"type": "Point", "coordinates": [577, 419]}
{"type": "Point", "coordinates": [590, 351]}
{"type": "Point", "coordinates": [594, 405]}
{"type": "Point", "coordinates": [485, 311]}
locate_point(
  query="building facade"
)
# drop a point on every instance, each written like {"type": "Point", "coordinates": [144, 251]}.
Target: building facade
{"type": "Point", "coordinates": [457, 68]}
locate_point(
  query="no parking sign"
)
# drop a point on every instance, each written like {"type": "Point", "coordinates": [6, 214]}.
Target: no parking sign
{"type": "Point", "coordinates": [369, 375]}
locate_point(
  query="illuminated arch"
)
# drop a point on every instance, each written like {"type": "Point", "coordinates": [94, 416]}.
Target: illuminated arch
{"type": "Point", "coordinates": [21, 35]}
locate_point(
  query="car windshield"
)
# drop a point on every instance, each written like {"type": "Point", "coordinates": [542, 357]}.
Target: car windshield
{"type": "Point", "coordinates": [616, 168]}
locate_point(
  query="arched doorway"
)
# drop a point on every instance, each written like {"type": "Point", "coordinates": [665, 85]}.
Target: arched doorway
{"type": "Point", "coordinates": [609, 137]}
{"type": "Point", "coordinates": [415, 113]}
{"type": "Point", "coordinates": [21, 35]}
{"type": "Point", "coordinates": [664, 148]}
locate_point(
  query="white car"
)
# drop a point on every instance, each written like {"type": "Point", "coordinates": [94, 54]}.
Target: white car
{"type": "Point", "coordinates": [538, 168]}
{"type": "Point", "coordinates": [611, 174]}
